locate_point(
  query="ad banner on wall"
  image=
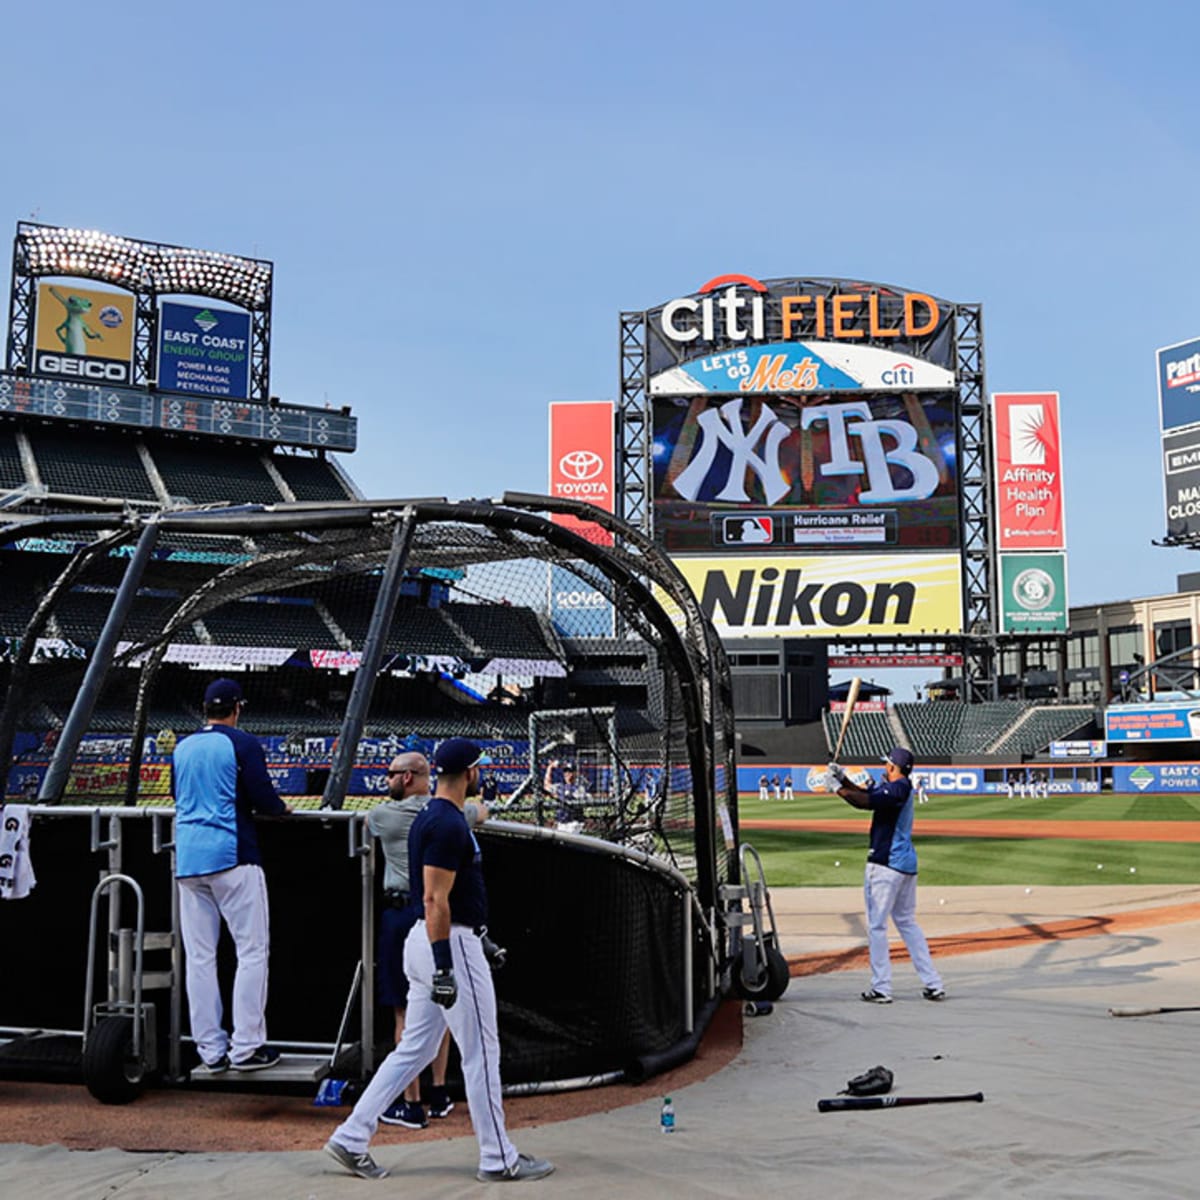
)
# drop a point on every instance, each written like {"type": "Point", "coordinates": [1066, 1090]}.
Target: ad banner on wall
{"type": "Point", "coordinates": [1179, 385]}
{"type": "Point", "coordinates": [83, 334]}
{"type": "Point", "coordinates": [582, 461]}
{"type": "Point", "coordinates": [1153, 722]}
{"type": "Point", "coordinates": [204, 350]}
{"type": "Point", "coordinates": [1033, 593]}
{"type": "Point", "coordinates": [1029, 492]}
{"type": "Point", "coordinates": [831, 596]}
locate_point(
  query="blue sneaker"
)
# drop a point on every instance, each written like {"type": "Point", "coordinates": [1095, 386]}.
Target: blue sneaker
{"type": "Point", "coordinates": [440, 1104]}
{"type": "Point", "coordinates": [263, 1057]}
{"type": "Point", "coordinates": [214, 1068]}
{"type": "Point", "coordinates": [405, 1112]}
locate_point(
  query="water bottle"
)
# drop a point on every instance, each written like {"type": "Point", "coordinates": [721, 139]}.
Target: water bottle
{"type": "Point", "coordinates": [666, 1120]}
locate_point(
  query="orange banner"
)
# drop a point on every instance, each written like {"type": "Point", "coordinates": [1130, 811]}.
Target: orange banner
{"type": "Point", "coordinates": [582, 467]}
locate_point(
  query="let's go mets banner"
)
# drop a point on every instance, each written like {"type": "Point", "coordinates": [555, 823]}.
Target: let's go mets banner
{"type": "Point", "coordinates": [1029, 492]}
{"type": "Point", "coordinates": [582, 464]}
{"type": "Point", "coordinates": [829, 595]}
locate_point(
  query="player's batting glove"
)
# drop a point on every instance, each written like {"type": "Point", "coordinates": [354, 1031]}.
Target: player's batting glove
{"type": "Point", "coordinates": [496, 956]}
{"type": "Point", "coordinates": [836, 772]}
{"type": "Point", "coordinates": [445, 988]}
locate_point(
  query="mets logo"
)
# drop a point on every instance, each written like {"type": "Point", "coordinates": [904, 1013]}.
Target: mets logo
{"type": "Point", "coordinates": [110, 317]}
{"type": "Point", "coordinates": [581, 464]}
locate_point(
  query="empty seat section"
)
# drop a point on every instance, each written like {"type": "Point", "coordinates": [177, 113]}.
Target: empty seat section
{"type": "Point", "coordinates": [932, 729]}
{"type": "Point", "coordinates": [12, 473]}
{"type": "Point", "coordinates": [868, 736]}
{"type": "Point", "coordinates": [94, 464]}
{"type": "Point", "coordinates": [257, 622]}
{"type": "Point", "coordinates": [1041, 727]}
{"type": "Point", "coordinates": [215, 476]}
{"type": "Point", "coordinates": [501, 630]}
{"type": "Point", "coordinates": [310, 478]}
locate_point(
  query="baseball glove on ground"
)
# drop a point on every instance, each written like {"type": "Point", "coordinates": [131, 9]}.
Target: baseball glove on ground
{"type": "Point", "coordinates": [874, 1082]}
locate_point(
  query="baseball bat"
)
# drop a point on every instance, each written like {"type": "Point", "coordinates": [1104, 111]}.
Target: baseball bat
{"type": "Point", "coordinates": [847, 713]}
{"type": "Point", "coordinates": [1149, 1012]}
{"type": "Point", "coordinates": [857, 1103]}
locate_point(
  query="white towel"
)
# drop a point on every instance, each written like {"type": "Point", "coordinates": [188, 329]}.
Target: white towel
{"type": "Point", "coordinates": [16, 870]}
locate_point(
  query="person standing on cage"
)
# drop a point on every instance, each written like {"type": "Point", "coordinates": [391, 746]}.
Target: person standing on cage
{"type": "Point", "coordinates": [570, 794]}
{"type": "Point", "coordinates": [408, 791]}
{"type": "Point", "coordinates": [450, 983]}
{"type": "Point", "coordinates": [220, 781]}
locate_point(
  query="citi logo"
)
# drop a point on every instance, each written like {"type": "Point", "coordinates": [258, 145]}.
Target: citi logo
{"type": "Point", "coordinates": [581, 465]}
{"type": "Point", "coordinates": [727, 308]}
{"type": "Point", "coordinates": [901, 375]}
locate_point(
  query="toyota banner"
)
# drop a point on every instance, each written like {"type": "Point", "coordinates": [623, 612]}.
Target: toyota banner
{"type": "Point", "coordinates": [581, 461]}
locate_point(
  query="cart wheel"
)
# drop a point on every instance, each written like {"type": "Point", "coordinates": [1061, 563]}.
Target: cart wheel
{"type": "Point", "coordinates": [111, 1070]}
{"type": "Point", "coordinates": [774, 981]}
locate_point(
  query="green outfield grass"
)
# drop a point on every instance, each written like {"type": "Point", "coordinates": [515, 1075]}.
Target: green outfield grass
{"type": "Point", "coordinates": [1102, 807]}
{"type": "Point", "coordinates": [796, 858]}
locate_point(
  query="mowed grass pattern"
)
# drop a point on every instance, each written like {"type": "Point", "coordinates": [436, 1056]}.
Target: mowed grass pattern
{"type": "Point", "coordinates": [798, 858]}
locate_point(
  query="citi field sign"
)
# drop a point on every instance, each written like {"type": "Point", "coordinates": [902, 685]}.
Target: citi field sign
{"type": "Point", "coordinates": [741, 334]}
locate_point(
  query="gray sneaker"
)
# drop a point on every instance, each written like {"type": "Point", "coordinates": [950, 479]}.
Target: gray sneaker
{"type": "Point", "coordinates": [362, 1165]}
{"type": "Point", "coordinates": [526, 1167]}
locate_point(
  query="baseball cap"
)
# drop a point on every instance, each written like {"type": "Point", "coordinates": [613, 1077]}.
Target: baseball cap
{"type": "Point", "coordinates": [901, 758]}
{"type": "Point", "coordinates": [223, 691]}
{"type": "Point", "coordinates": [456, 755]}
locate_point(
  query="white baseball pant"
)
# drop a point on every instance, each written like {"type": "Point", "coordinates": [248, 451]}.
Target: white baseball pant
{"type": "Point", "coordinates": [240, 896]}
{"type": "Point", "coordinates": [472, 1023]}
{"type": "Point", "coordinates": [894, 894]}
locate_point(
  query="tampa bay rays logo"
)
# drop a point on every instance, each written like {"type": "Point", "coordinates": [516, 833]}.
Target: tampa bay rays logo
{"type": "Point", "coordinates": [11, 824]}
{"type": "Point", "coordinates": [6, 861]}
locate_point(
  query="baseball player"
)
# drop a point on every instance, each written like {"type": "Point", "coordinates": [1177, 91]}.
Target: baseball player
{"type": "Point", "coordinates": [220, 781]}
{"type": "Point", "coordinates": [788, 793]}
{"type": "Point", "coordinates": [570, 794]}
{"type": "Point", "coordinates": [450, 983]}
{"type": "Point", "coordinates": [890, 885]}
{"type": "Point", "coordinates": [764, 788]}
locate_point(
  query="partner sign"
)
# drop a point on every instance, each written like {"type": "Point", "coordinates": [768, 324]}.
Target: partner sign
{"type": "Point", "coordinates": [1029, 492]}
{"type": "Point", "coordinates": [203, 350]}
{"type": "Point", "coordinates": [582, 455]}
{"type": "Point", "coordinates": [83, 334]}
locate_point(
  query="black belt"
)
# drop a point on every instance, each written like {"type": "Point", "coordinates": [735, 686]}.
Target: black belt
{"type": "Point", "coordinates": [396, 899]}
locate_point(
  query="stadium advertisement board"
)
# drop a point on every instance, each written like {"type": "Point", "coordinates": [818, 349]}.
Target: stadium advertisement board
{"type": "Point", "coordinates": [84, 334]}
{"type": "Point", "coordinates": [1156, 777]}
{"type": "Point", "coordinates": [1079, 749]}
{"type": "Point", "coordinates": [1181, 481]}
{"type": "Point", "coordinates": [828, 595]}
{"type": "Point", "coordinates": [203, 350]}
{"type": "Point", "coordinates": [578, 608]}
{"type": "Point", "coordinates": [1033, 593]}
{"type": "Point", "coordinates": [1179, 385]}
{"type": "Point", "coordinates": [873, 472]}
{"type": "Point", "coordinates": [1028, 471]}
{"type": "Point", "coordinates": [899, 659]}
{"type": "Point", "coordinates": [582, 461]}
{"type": "Point", "coordinates": [1152, 722]}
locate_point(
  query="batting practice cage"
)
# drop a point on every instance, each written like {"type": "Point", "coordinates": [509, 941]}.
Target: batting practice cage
{"type": "Point", "coordinates": [552, 633]}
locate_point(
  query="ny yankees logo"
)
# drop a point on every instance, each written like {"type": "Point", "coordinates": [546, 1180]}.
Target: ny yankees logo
{"type": "Point", "coordinates": [723, 427]}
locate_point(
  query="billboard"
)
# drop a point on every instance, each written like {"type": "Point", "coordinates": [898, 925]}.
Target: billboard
{"type": "Point", "coordinates": [1028, 454]}
{"type": "Point", "coordinates": [578, 608]}
{"type": "Point", "coordinates": [1179, 385]}
{"type": "Point", "coordinates": [83, 334]}
{"type": "Point", "coordinates": [1181, 480]}
{"type": "Point", "coordinates": [1153, 722]}
{"type": "Point", "coordinates": [203, 350]}
{"type": "Point", "coordinates": [582, 461]}
{"type": "Point", "coordinates": [837, 596]}
{"type": "Point", "coordinates": [1033, 593]}
{"type": "Point", "coordinates": [870, 472]}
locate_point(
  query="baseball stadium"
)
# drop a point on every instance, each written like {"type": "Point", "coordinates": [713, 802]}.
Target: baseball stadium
{"type": "Point", "coordinates": [670, 668]}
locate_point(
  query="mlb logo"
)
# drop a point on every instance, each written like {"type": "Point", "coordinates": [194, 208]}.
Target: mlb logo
{"type": "Point", "coordinates": [748, 531]}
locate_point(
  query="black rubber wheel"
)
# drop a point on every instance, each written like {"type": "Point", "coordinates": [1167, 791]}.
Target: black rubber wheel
{"type": "Point", "coordinates": [773, 983]}
{"type": "Point", "coordinates": [111, 1070]}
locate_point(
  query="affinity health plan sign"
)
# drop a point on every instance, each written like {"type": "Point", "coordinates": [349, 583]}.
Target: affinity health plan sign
{"type": "Point", "coordinates": [204, 350]}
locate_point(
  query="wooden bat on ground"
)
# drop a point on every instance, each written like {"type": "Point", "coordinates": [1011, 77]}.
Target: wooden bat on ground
{"type": "Point", "coordinates": [848, 712]}
{"type": "Point", "coordinates": [1149, 1012]}
{"type": "Point", "coordinates": [858, 1103]}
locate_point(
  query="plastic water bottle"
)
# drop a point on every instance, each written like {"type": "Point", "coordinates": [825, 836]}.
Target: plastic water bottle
{"type": "Point", "coordinates": [666, 1120]}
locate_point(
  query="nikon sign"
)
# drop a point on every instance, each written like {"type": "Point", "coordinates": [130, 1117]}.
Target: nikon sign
{"type": "Point", "coordinates": [893, 595]}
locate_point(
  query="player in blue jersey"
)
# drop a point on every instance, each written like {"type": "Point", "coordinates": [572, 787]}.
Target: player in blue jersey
{"type": "Point", "coordinates": [891, 877]}
{"type": "Point", "coordinates": [220, 781]}
{"type": "Point", "coordinates": [450, 983]}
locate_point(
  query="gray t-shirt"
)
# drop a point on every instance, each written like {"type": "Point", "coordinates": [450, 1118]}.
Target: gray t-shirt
{"type": "Point", "coordinates": [390, 823]}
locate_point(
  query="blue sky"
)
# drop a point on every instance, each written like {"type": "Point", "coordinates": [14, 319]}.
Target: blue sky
{"type": "Point", "coordinates": [460, 199]}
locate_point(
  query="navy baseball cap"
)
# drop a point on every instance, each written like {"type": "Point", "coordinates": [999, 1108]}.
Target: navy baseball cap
{"type": "Point", "coordinates": [227, 692]}
{"type": "Point", "coordinates": [457, 755]}
{"type": "Point", "coordinates": [901, 758]}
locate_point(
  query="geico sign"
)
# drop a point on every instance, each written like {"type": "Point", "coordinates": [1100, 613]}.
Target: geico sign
{"type": "Point", "coordinates": [724, 313]}
{"type": "Point", "coordinates": [949, 781]}
{"type": "Point", "coordinates": [98, 369]}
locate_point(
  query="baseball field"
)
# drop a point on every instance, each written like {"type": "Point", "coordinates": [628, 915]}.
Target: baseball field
{"type": "Point", "coordinates": [819, 841]}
